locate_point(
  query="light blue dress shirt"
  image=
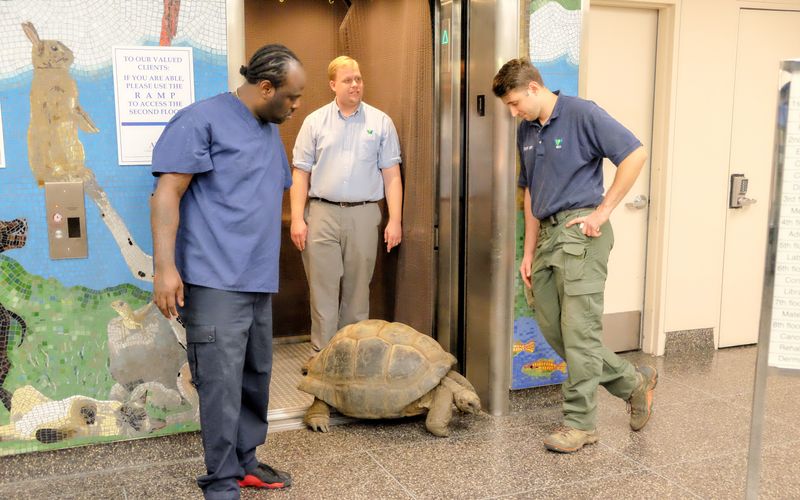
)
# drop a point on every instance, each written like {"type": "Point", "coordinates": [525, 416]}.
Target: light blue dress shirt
{"type": "Point", "coordinates": [345, 155]}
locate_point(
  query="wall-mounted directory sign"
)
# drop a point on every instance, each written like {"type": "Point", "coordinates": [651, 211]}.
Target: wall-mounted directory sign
{"type": "Point", "coordinates": [784, 344]}
{"type": "Point", "coordinates": [150, 84]}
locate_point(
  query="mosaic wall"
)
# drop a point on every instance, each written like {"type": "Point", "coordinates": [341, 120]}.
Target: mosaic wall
{"type": "Point", "coordinates": [84, 356]}
{"type": "Point", "coordinates": [554, 42]}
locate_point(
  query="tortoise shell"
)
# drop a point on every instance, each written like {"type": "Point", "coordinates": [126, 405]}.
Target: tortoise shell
{"type": "Point", "coordinates": [375, 369]}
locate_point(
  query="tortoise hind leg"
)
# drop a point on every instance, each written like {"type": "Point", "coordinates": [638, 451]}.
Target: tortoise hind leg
{"type": "Point", "coordinates": [318, 416]}
{"type": "Point", "coordinates": [441, 411]}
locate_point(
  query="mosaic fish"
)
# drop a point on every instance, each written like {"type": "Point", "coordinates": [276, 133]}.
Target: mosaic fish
{"type": "Point", "coordinates": [542, 367]}
{"type": "Point", "coordinates": [528, 346]}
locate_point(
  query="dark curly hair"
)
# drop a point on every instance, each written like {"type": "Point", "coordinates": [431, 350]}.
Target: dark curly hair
{"type": "Point", "coordinates": [270, 62]}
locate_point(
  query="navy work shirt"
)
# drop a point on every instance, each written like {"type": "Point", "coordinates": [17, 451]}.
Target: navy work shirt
{"type": "Point", "coordinates": [230, 229]}
{"type": "Point", "coordinates": [562, 160]}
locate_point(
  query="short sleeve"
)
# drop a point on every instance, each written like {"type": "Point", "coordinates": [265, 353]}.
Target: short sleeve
{"type": "Point", "coordinates": [287, 172]}
{"type": "Point", "coordinates": [389, 152]}
{"type": "Point", "coordinates": [304, 154]}
{"type": "Point", "coordinates": [609, 136]}
{"type": "Point", "coordinates": [184, 146]}
{"type": "Point", "coordinates": [522, 181]}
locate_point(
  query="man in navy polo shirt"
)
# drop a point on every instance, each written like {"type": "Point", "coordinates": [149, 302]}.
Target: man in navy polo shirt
{"type": "Point", "coordinates": [562, 142]}
{"type": "Point", "coordinates": [216, 221]}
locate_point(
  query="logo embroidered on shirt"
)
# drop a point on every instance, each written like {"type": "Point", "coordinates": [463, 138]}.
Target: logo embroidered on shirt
{"type": "Point", "coordinates": [558, 143]}
{"type": "Point", "coordinates": [527, 148]}
{"type": "Point", "coordinates": [369, 131]}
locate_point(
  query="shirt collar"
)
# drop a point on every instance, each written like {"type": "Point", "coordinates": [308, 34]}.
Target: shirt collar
{"type": "Point", "coordinates": [339, 110]}
{"type": "Point", "coordinates": [553, 115]}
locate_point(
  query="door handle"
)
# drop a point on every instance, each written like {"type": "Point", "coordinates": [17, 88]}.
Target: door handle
{"type": "Point", "coordinates": [638, 203]}
{"type": "Point", "coordinates": [744, 201]}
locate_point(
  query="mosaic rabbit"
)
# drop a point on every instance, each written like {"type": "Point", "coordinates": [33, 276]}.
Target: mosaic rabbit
{"type": "Point", "coordinates": [54, 151]}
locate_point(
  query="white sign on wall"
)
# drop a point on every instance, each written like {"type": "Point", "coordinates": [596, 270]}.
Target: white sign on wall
{"type": "Point", "coordinates": [784, 344]}
{"type": "Point", "coordinates": [2, 143]}
{"type": "Point", "coordinates": [150, 85]}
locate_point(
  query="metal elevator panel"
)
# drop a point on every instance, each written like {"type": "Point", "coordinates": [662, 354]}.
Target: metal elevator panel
{"type": "Point", "coordinates": [450, 143]}
{"type": "Point", "coordinates": [493, 33]}
{"type": "Point", "coordinates": [476, 156]}
{"type": "Point", "coordinates": [66, 220]}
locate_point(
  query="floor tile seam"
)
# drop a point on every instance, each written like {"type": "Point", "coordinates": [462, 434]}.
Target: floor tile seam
{"type": "Point", "coordinates": [652, 470]}
{"type": "Point", "coordinates": [673, 482]}
{"type": "Point", "coordinates": [749, 408]}
{"type": "Point", "coordinates": [459, 437]}
{"type": "Point", "coordinates": [549, 484]}
{"type": "Point", "coordinates": [385, 470]}
{"type": "Point", "coordinates": [560, 484]}
{"type": "Point", "coordinates": [321, 457]}
{"type": "Point", "coordinates": [705, 458]}
{"type": "Point", "coordinates": [641, 465]}
{"type": "Point", "coordinates": [771, 418]}
{"type": "Point", "coordinates": [712, 395]}
{"type": "Point", "coordinates": [124, 468]}
{"type": "Point", "coordinates": [680, 462]}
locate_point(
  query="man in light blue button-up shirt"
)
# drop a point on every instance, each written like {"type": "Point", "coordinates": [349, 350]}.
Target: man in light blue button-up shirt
{"type": "Point", "coordinates": [346, 157]}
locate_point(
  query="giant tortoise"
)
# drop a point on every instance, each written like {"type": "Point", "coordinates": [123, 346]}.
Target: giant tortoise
{"type": "Point", "coordinates": [374, 369]}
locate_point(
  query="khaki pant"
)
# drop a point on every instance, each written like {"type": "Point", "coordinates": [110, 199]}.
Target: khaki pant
{"type": "Point", "coordinates": [339, 259]}
{"type": "Point", "coordinates": [568, 276]}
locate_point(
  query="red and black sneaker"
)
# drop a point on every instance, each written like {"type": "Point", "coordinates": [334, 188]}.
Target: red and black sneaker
{"type": "Point", "coordinates": [265, 476]}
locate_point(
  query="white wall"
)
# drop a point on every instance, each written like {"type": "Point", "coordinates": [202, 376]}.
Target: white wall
{"type": "Point", "coordinates": [707, 31]}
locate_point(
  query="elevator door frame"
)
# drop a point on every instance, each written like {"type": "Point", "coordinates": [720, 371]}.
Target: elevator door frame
{"type": "Point", "coordinates": [474, 302]}
{"type": "Point", "coordinates": [476, 223]}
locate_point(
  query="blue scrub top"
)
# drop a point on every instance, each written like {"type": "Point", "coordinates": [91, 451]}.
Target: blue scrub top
{"type": "Point", "coordinates": [230, 229]}
{"type": "Point", "coordinates": [562, 160]}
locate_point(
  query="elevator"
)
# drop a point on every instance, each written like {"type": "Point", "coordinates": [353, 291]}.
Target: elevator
{"type": "Point", "coordinates": [429, 66]}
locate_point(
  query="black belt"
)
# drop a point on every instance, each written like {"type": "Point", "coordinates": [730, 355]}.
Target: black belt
{"type": "Point", "coordinates": [344, 203]}
{"type": "Point", "coordinates": [559, 217]}
{"type": "Point", "coordinates": [555, 219]}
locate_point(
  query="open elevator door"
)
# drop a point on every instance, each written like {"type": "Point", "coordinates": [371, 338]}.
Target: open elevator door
{"type": "Point", "coordinates": [476, 185]}
{"type": "Point", "coordinates": [392, 41]}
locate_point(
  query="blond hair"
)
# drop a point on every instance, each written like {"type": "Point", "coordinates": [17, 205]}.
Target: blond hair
{"type": "Point", "coordinates": [340, 62]}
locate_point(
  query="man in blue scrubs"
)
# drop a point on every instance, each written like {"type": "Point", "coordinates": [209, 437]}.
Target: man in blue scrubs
{"type": "Point", "coordinates": [216, 221]}
{"type": "Point", "coordinates": [562, 142]}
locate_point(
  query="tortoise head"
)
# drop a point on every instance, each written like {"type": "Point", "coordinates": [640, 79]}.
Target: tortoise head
{"type": "Point", "coordinates": [468, 402]}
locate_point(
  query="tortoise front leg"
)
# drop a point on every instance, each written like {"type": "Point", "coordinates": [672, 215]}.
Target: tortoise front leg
{"type": "Point", "coordinates": [441, 411]}
{"type": "Point", "coordinates": [466, 400]}
{"type": "Point", "coordinates": [461, 379]}
{"type": "Point", "coordinates": [318, 416]}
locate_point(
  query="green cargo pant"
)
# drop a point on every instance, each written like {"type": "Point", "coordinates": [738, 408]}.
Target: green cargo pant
{"type": "Point", "coordinates": [568, 276]}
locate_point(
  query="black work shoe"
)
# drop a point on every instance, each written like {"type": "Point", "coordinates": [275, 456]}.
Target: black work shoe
{"type": "Point", "coordinates": [265, 476]}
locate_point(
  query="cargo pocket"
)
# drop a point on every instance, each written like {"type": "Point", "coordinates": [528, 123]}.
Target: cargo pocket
{"type": "Point", "coordinates": [197, 338]}
{"type": "Point", "coordinates": [574, 260]}
{"type": "Point", "coordinates": [575, 280]}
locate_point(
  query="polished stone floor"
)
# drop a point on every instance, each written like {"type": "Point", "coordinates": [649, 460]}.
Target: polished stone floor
{"type": "Point", "coordinates": [695, 446]}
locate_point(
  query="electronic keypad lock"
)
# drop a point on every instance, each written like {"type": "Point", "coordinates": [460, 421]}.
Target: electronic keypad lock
{"type": "Point", "coordinates": [738, 198]}
{"type": "Point", "coordinates": [66, 220]}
